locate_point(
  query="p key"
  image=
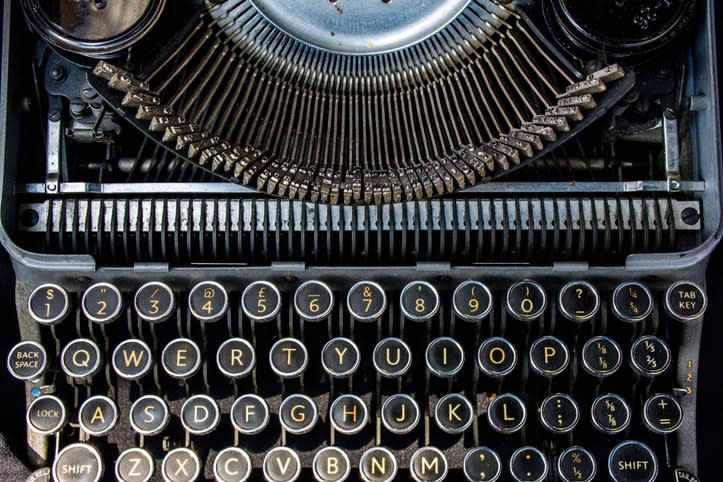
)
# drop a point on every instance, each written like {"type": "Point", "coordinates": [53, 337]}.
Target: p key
{"type": "Point", "coordinates": [549, 356]}
{"type": "Point", "coordinates": [48, 304]}
{"type": "Point", "coordinates": [181, 465]}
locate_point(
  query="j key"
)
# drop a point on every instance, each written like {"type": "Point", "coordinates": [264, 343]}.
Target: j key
{"type": "Point", "coordinates": [200, 415]}
{"type": "Point", "coordinates": [549, 356]}
{"type": "Point", "coordinates": [235, 358]}
{"type": "Point", "coordinates": [366, 301]}
{"type": "Point", "coordinates": [249, 414]}
{"type": "Point", "coordinates": [601, 356]}
{"type": "Point", "coordinates": [348, 414]}
{"type": "Point", "coordinates": [81, 358]}
{"type": "Point", "coordinates": [685, 301]}
{"type": "Point", "coordinates": [662, 414]}
{"type": "Point", "coordinates": [149, 415]}
{"type": "Point", "coordinates": [392, 357]}
{"type": "Point", "coordinates": [579, 301]}
{"type": "Point", "coordinates": [526, 300]}
{"type": "Point", "coordinates": [506, 413]}
{"type": "Point", "coordinates": [650, 356]}
{"type": "Point", "coordinates": [632, 461]}
{"type": "Point", "coordinates": [378, 464]}
{"type": "Point", "coordinates": [400, 413]}
{"type": "Point", "coordinates": [181, 358]}
{"type": "Point", "coordinates": [528, 464]}
{"type": "Point", "coordinates": [313, 300]}
{"type": "Point", "coordinates": [232, 465]}
{"type": "Point", "coordinates": [453, 413]}
{"type": "Point", "coordinates": [288, 358]}
{"type": "Point", "coordinates": [154, 302]}
{"type": "Point", "coordinates": [419, 301]}
{"type": "Point", "coordinates": [496, 357]}
{"type": "Point", "coordinates": [181, 465]}
{"type": "Point", "coordinates": [48, 304]}
{"type": "Point", "coordinates": [261, 301]}
{"type": "Point", "coordinates": [132, 359]}
{"type": "Point", "coordinates": [208, 301]}
{"type": "Point", "coordinates": [610, 413]}
{"type": "Point", "coordinates": [281, 464]}
{"type": "Point", "coordinates": [576, 464]}
{"type": "Point", "coordinates": [472, 301]}
{"type": "Point", "coordinates": [444, 357]}
{"type": "Point", "coordinates": [632, 302]}
{"type": "Point", "coordinates": [331, 464]}
{"type": "Point", "coordinates": [102, 303]}
{"type": "Point", "coordinates": [134, 465]}
{"type": "Point", "coordinates": [428, 464]}
{"type": "Point", "coordinates": [298, 414]}
{"type": "Point", "coordinates": [340, 357]}
{"type": "Point", "coordinates": [559, 413]}
{"type": "Point", "coordinates": [482, 464]}
{"type": "Point", "coordinates": [27, 360]}
{"type": "Point", "coordinates": [98, 415]}
{"type": "Point", "coordinates": [78, 462]}
{"type": "Point", "coordinates": [46, 415]}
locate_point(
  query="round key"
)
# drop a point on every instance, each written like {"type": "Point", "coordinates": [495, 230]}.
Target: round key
{"type": "Point", "coordinates": [685, 301]}
{"type": "Point", "coordinates": [576, 464]}
{"type": "Point", "coordinates": [78, 463]}
{"type": "Point", "coordinates": [419, 301]}
{"type": "Point", "coordinates": [181, 358]}
{"type": "Point", "coordinates": [134, 465]}
{"type": "Point", "coordinates": [472, 301]}
{"type": "Point", "coordinates": [377, 464]}
{"type": "Point", "coordinates": [453, 413]}
{"type": "Point", "coordinates": [400, 413]}
{"type": "Point", "coordinates": [232, 465]}
{"type": "Point", "coordinates": [528, 464]}
{"type": "Point", "coordinates": [154, 302]}
{"type": "Point", "coordinates": [549, 356]}
{"type": "Point", "coordinates": [313, 300]}
{"type": "Point", "coordinates": [48, 304]}
{"type": "Point", "coordinates": [444, 357]}
{"type": "Point", "coordinates": [662, 414]}
{"type": "Point", "coordinates": [181, 465]}
{"type": "Point", "coordinates": [132, 359]}
{"type": "Point", "coordinates": [235, 358]}
{"type": "Point", "coordinates": [482, 464]}
{"type": "Point", "coordinates": [506, 413]}
{"type": "Point", "coordinates": [27, 360]}
{"type": "Point", "coordinates": [526, 300]}
{"type": "Point", "coordinates": [601, 356]}
{"type": "Point", "coordinates": [298, 414]}
{"type": "Point", "coordinates": [610, 413]}
{"type": "Point", "coordinates": [579, 301]}
{"type": "Point", "coordinates": [281, 464]}
{"type": "Point", "coordinates": [81, 358]}
{"type": "Point", "coordinates": [288, 357]}
{"type": "Point", "coordinates": [392, 357]}
{"type": "Point", "coordinates": [200, 415]}
{"type": "Point", "coordinates": [46, 415]}
{"type": "Point", "coordinates": [650, 356]}
{"type": "Point", "coordinates": [331, 464]}
{"type": "Point", "coordinates": [632, 302]}
{"type": "Point", "coordinates": [98, 415]}
{"type": "Point", "coordinates": [340, 357]}
{"type": "Point", "coordinates": [250, 414]}
{"type": "Point", "coordinates": [496, 357]}
{"type": "Point", "coordinates": [261, 301]}
{"type": "Point", "coordinates": [208, 301]}
{"type": "Point", "coordinates": [149, 415]}
{"type": "Point", "coordinates": [348, 414]}
{"type": "Point", "coordinates": [428, 464]}
{"type": "Point", "coordinates": [632, 461]}
{"type": "Point", "coordinates": [366, 301]}
{"type": "Point", "coordinates": [102, 303]}
{"type": "Point", "coordinates": [559, 413]}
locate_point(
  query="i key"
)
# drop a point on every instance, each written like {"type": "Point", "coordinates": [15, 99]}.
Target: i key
{"type": "Point", "coordinates": [313, 300]}
{"type": "Point", "coordinates": [208, 301]}
{"type": "Point", "coordinates": [154, 302]}
{"type": "Point", "coordinates": [261, 301]}
{"type": "Point", "coordinates": [102, 303]}
{"type": "Point", "coordinates": [419, 301]}
{"type": "Point", "coordinates": [48, 304]}
{"type": "Point", "coordinates": [444, 357]}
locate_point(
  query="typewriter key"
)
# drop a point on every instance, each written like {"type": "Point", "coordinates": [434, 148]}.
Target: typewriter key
{"type": "Point", "coordinates": [288, 357]}
{"type": "Point", "coordinates": [526, 300]}
{"type": "Point", "coordinates": [392, 357]}
{"type": "Point", "coordinates": [249, 414]}
{"type": "Point", "coordinates": [601, 356]}
{"type": "Point", "coordinates": [235, 358]}
{"type": "Point", "coordinates": [134, 465]}
{"type": "Point", "coordinates": [331, 464]}
{"type": "Point", "coordinates": [444, 357]}
{"type": "Point", "coordinates": [506, 413]}
{"type": "Point", "coordinates": [419, 301]}
{"type": "Point", "coordinates": [549, 356]}
{"type": "Point", "coordinates": [132, 359]}
{"type": "Point", "coordinates": [378, 464]}
{"type": "Point", "coordinates": [662, 414]}
{"type": "Point", "coordinates": [154, 302]}
{"type": "Point", "coordinates": [27, 360]}
{"type": "Point", "coordinates": [576, 464]}
{"type": "Point", "coordinates": [46, 415]}
{"type": "Point", "coordinates": [232, 465]}
{"type": "Point", "coordinates": [482, 465]}
{"type": "Point", "coordinates": [78, 462]}
{"type": "Point", "coordinates": [453, 413]}
{"type": "Point", "coordinates": [496, 357]}
{"type": "Point", "coordinates": [181, 358]}
{"type": "Point", "coordinates": [610, 413]}
{"type": "Point", "coordinates": [632, 302]}
{"type": "Point", "coordinates": [149, 415]}
{"type": "Point", "coordinates": [313, 300]}
{"type": "Point", "coordinates": [400, 413]}
{"type": "Point", "coordinates": [81, 358]}
{"type": "Point", "coordinates": [348, 414]}
{"type": "Point", "coordinates": [685, 301]}
{"type": "Point", "coordinates": [579, 301]}
{"type": "Point", "coordinates": [261, 301]}
{"type": "Point", "coordinates": [340, 357]}
{"type": "Point", "coordinates": [428, 464]}
{"type": "Point", "coordinates": [649, 356]}
{"type": "Point", "coordinates": [366, 301]}
{"type": "Point", "coordinates": [102, 303]}
{"type": "Point", "coordinates": [48, 304]}
{"type": "Point", "coordinates": [528, 464]}
{"type": "Point", "coordinates": [632, 461]}
{"type": "Point", "coordinates": [472, 301]}
{"type": "Point", "coordinates": [559, 413]}
{"type": "Point", "coordinates": [282, 464]}
{"type": "Point", "coordinates": [181, 465]}
{"type": "Point", "coordinates": [298, 414]}
{"type": "Point", "coordinates": [98, 415]}
{"type": "Point", "coordinates": [208, 301]}
{"type": "Point", "coordinates": [200, 415]}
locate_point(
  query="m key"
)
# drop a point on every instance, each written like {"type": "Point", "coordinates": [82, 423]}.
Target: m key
{"type": "Point", "coordinates": [428, 464]}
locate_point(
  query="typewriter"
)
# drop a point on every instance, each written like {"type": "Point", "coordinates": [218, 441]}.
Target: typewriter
{"type": "Point", "coordinates": [359, 239]}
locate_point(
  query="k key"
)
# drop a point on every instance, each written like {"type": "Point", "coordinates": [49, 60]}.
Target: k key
{"type": "Point", "coordinates": [453, 413]}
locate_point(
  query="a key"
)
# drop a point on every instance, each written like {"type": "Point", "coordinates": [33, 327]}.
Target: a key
{"type": "Point", "coordinates": [472, 301]}
{"type": "Point", "coordinates": [453, 413]}
{"type": "Point", "coordinates": [200, 415]}
{"type": "Point", "coordinates": [526, 300]}
{"type": "Point", "coordinates": [134, 465]}
{"type": "Point", "coordinates": [98, 415]}
{"type": "Point", "coordinates": [78, 462]}
{"type": "Point", "coordinates": [298, 414]}
{"type": "Point", "coordinates": [181, 358]}
{"type": "Point", "coordinates": [549, 356]}
{"type": "Point", "coordinates": [281, 464]}
{"type": "Point", "coordinates": [366, 301]}
{"type": "Point", "coordinates": [313, 300]}
{"type": "Point", "coordinates": [149, 415]}
{"type": "Point", "coordinates": [102, 303]}
{"type": "Point", "coordinates": [181, 465]}
{"type": "Point", "coordinates": [81, 358]}
{"type": "Point", "coordinates": [208, 301]}
{"type": "Point", "coordinates": [378, 464]}
{"type": "Point", "coordinates": [559, 413]}
{"type": "Point", "coordinates": [428, 464]}
{"type": "Point", "coordinates": [132, 359]}
{"type": "Point", "coordinates": [400, 413]}
{"type": "Point", "coordinates": [232, 464]}
{"type": "Point", "coordinates": [444, 357]}
{"type": "Point", "coordinates": [610, 413]}
{"type": "Point", "coordinates": [528, 464]}
{"type": "Point", "coordinates": [348, 414]}
{"type": "Point", "coordinates": [288, 357]}
{"type": "Point", "coordinates": [482, 464]}
{"type": "Point", "coordinates": [576, 464]}
{"type": "Point", "coordinates": [579, 301]}
{"type": "Point", "coordinates": [392, 357]}
{"type": "Point", "coordinates": [27, 360]}
{"type": "Point", "coordinates": [632, 461]}
{"type": "Point", "coordinates": [419, 301]}
{"type": "Point", "coordinates": [48, 304]}
{"type": "Point", "coordinates": [46, 415]}
{"type": "Point", "coordinates": [331, 464]}
{"type": "Point", "coordinates": [632, 302]}
{"type": "Point", "coordinates": [235, 358]}
{"type": "Point", "coordinates": [261, 301]}
{"type": "Point", "coordinates": [250, 414]}
{"type": "Point", "coordinates": [154, 302]}
{"type": "Point", "coordinates": [506, 413]}
{"type": "Point", "coordinates": [650, 356]}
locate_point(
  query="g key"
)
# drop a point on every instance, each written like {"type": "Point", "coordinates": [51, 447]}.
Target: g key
{"type": "Point", "coordinates": [48, 304]}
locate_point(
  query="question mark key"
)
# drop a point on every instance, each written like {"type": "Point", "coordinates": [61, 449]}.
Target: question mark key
{"type": "Point", "coordinates": [579, 301]}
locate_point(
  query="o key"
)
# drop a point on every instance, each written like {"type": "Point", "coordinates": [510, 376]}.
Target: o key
{"type": "Point", "coordinates": [313, 300]}
{"type": "Point", "coordinates": [526, 300]}
{"type": "Point", "coordinates": [208, 301]}
{"type": "Point", "coordinates": [48, 304]}
{"type": "Point", "coordinates": [366, 301]}
{"type": "Point", "coordinates": [102, 303]}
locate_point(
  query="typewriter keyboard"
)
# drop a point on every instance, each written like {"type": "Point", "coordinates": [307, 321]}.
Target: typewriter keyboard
{"type": "Point", "coordinates": [286, 379]}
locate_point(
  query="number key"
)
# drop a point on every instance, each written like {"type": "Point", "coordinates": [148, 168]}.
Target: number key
{"type": "Point", "coordinates": [48, 304]}
{"type": "Point", "coordinates": [472, 300]}
{"type": "Point", "coordinates": [419, 301]}
{"type": "Point", "coordinates": [208, 301]}
{"type": "Point", "coordinates": [526, 300]}
{"type": "Point", "coordinates": [261, 301]}
{"type": "Point", "coordinates": [366, 301]}
{"type": "Point", "coordinates": [313, 300]}
{"type": "Point", "coordinates": [154, 302]}
{"type": "Point", "coordinates": [102, 303]}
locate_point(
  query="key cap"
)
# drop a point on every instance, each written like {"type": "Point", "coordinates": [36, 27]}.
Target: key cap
{"type": "Point", "coordinates": [549, 356]}
{"type": "Point", "coordinates": [149, 415]}
{"type": "Point", "coordinates": [378, 464]}
{"type": "Point", "coordinates": [559, 413]}
{"type": "Point", "coordinates": [482, 464]}
{"type": "Point", "coordinates": [261, 301]}
{"type": "Point", "coordinates": [348, 414]}
{"type": "Point", "coordinates": [444, 357]}
{"type": "Point", "coordinates": [632, 302]}
{"type": "Point", "coordinates": [235, 358]}
{"type": "Point", "coordinates": [250, 414]}
{"type": "Point", "coordinates": [102, 303]}
{"type": "Point", "coordinates": [400, 413]}
{"type": "Point", "coordinates": [46, 415]}
{"type": "Point", "coordinates": [685, 301]}
{"type": "Point", "coordinates": [610, 413]}
{"type": "Point", "coordinates": [48, 304]}
{"type": "Point", "coordinates": [419, 301]}
{"type": "Point", "coordinates": [576, 464]}
{"type": "Point", "coordinates": [366, 301]}
{"type": "Point", "coordinates": [650, 356]}
{"type": "Point", "coordinates": [331, 464]}
{"type": "Point", "coordinates": [298, 414]}
{"type": "Point", "coordinates": [208, 301]}
{"type": "Point", "coordinates": [288, 358]}
{"type": "Point", "coordinates": [134, 465]}
{"type": "Point", "coordinates": [281, 464]}
{"type": "Point", "coordinates": [453, 413]}
{"type": "Point", "coordinates": [81, 358]}
{"type": "Point", "coordinates": [340, 357]}
{"type": "Point", "coordinates": [528, 464]}
{"type": "Point", "coordinates": [27, 360]}
{"type": "Point", "coordinates": [200, 415]}
{"type": "Point", "coordinates": [98, 415]}
{"type": "Point", "coordinates": [526, 300]}
{"type": "Point", "coordinates": [132, 359]}
{"type": "Point", "coordinates": [601, 356]}
{"type": "Point", "coordinates": [313, 300]}
{"type": "Point", "coordinates": [506, 413]}
{"type": "Point", "coordinates": [232, 464]}
{"type": "Point", "coordinates": [428, 464]}
{"type": "Point", "coordinates": [154, 302]}
{"type": "Point", "coordinates": [78, 462]}
{"type": "Point", "coordinates": [579, 301]}
{"type": "Point", "coordinates": [181, 465]}
{"type": "Point", "coordinates": [472, 301]}
{"type": "Point", "coordinates": [662, 414]}
{"type": "Point", "coordinates": [181, 358]}
{"type": "Point", "coordinates": [632, 461]}
{"type": "Point", "coordinates": [392, 357]}
{"type": "Point", "coordinates": [496, 357]}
